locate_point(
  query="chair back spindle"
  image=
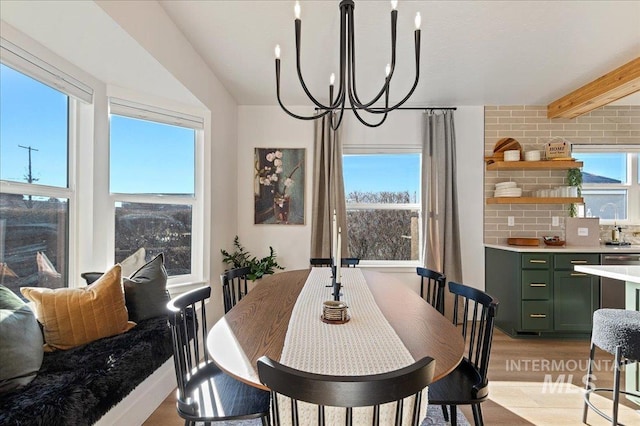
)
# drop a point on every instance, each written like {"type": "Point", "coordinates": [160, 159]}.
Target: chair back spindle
{"type": "Point", "coordinates": [205, 393]}
{"type": "Point", "coordinates": [234, 286]}
{"type": "Point", "coordinates": [433, 282]}
{"type": "Point", "coordinates": [477, 327]}
{"type": "Point", "coordinates": [350, 262]}
{"type": "Point", "coordinates": [347, 392]}
{"type": "Point", "coordinates": [188, 333]}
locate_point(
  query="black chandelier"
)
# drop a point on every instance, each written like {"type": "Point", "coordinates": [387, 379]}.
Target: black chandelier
{"type": "Point", "coordinates": [347, 73]}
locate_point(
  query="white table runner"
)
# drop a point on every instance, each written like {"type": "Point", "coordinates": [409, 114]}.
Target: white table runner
{"type": "Point", "coordinates": [367, 344]}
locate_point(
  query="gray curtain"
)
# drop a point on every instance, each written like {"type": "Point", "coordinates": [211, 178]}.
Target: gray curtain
{"type": "Point", "coordinates": [441, 228]}
{"type": "Point", "coordinates": [328, 190]}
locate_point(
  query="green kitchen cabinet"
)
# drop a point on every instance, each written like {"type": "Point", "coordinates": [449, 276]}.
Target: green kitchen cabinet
{"type": "Point", "coordinates": [540, 293]}
{"type": "Point", "coordinates": [576, 295]}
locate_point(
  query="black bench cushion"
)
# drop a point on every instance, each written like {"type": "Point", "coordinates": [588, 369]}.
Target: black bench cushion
{"type": "Point", "coordinates": [79, 385]}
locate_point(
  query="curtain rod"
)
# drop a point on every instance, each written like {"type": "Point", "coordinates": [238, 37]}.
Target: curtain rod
{"type": "Point", "coordinates": [404, 108]}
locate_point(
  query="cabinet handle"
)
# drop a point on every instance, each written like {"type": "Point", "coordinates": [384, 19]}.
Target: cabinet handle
{"type": "Point", "coordinates": [537, 261]}
{"type": "Point", "coordinates": [537, 285]}
{"type": "Point", "coordinates": [581, 262]}
{"type": "Point", "coordinates": [578, 274]}
{"type": "Point", "coordinates": [623, 258]}
{"type": "Point", "coordinates": [537, 315]}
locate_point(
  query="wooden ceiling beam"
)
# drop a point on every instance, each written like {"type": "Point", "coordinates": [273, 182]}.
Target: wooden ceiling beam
{"type": "Point", "coordinates": [612, 86]}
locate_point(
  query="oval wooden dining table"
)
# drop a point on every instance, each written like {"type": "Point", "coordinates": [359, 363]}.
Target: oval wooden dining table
{"type": "Point", "coordinates": [258, 324]}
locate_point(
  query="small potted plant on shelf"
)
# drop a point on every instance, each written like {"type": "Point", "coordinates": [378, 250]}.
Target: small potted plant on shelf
{"type": "Point", "coordinates": [240, 257]}
{"type": "Point", "coordinates": [574, 178]}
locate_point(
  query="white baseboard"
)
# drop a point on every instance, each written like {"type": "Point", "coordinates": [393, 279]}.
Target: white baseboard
{"type": "Point", "coordinates": [136, 407]}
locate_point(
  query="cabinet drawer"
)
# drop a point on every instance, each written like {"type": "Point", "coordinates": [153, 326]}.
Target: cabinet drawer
{"type": "Point", "coordinates": [536, 284]}
{"type": "Point", "coordinates": [568, 261]}
{"type": "Point", "coordinates": [536, 315]}
{"type": "Point", "coordinates": [536, 261]}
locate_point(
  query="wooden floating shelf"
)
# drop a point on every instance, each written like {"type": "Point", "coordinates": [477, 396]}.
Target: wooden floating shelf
{"type": "Point", "coordinates": [534, 165]}
{"type": "Point", "coordinates": [535, 200]}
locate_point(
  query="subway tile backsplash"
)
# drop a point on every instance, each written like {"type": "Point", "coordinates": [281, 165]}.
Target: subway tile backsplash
{"type": "Point", "coordinates": [530, 126]}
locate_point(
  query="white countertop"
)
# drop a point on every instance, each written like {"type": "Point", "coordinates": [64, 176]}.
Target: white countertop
{"type": "Point", "coordinates": [629, 273]}
{"type": "Point", "coordinates": [567, 249]}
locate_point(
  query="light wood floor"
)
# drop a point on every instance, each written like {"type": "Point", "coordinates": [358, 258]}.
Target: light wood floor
{"type": "Point", "coordinates": [532, 382]}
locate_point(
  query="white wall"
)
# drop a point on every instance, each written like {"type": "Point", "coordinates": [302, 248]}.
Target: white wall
{"type": "Point", "coordinates": [270, 127]}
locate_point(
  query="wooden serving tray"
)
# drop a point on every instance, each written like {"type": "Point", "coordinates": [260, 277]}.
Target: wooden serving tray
{"type": "Point", "coordinates": [523, 241]}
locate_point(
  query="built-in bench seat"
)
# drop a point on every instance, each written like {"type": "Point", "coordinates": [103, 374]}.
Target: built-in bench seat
{"type": "Point", "coordinates": [80, 385]}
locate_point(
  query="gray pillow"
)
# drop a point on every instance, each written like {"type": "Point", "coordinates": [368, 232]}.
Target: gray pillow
{"type": "Point", "coordinates": [21, 350]}
{"type": "Point", "coordinates": [145, 292]}
{"type": "Point", "coordinates": [91, 277]}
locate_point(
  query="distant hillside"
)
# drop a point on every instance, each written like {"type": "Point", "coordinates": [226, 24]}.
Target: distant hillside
{"type": "Point", "coordinates": [591, 178]}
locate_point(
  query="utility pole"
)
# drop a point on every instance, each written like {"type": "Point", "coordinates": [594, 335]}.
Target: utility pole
{"type": "Point", "coordinates": [29, 176]}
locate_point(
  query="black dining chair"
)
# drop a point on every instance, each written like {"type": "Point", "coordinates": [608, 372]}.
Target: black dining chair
{"type": "Point", "coordinates": [434, 282]}
{"type": "Point", "coordinates": [350, 262]}
{"type": "Point", "coordinates": [205, 393]}
{"type": "Point", "coordinates": [234, 286]}
{"type": "Point", "coordinates": [468, 383]}
{"type": "Point", "coordinates": [346, 392]}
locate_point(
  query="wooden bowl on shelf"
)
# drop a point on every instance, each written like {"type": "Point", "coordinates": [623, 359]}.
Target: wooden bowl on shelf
{"type": "Point", "coordinates": [553, 241]}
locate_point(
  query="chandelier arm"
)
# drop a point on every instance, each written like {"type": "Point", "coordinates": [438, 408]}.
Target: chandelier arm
{"type": "Point", "coordinates": [384, 118]}
{"type": "Point", "coordinates": [415, 82]}
{"type": "Point", "coordinates": [385, 88]}
{"type": "Point", "coordinates": [298, 24]}
{"type": "Point", "coordinates": [284, 108]}
{"type": "Point", "coordinates": [339, 119]}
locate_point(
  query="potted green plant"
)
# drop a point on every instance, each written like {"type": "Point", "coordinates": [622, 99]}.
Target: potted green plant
{"type": "Point", "coordinates": [240, 258]}
{"type": "Point", "coordinates": [574, 178]}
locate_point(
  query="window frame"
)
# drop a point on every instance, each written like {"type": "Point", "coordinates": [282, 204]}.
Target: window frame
{"type": "Point", "coordinates": [632, 187]}
{"type": "Point", "coordinates": [177, 116]}
{"type": "Point", "coordinates": [24, 63]}
{"type": "Point", "coordinates": [390, 150]}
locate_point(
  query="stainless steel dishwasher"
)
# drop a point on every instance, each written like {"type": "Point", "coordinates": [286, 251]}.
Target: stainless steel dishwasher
{"type": "Point", "coordinates": [612, 291]}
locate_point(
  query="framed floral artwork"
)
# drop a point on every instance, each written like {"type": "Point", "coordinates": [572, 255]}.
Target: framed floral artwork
{"type": "Point", "coordinates": [279, 186]}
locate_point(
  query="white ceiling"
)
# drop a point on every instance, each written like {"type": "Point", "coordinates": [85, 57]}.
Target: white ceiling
{"type": "Point", "coordinates": [82, 33]}
{"type": "Point", "coordinates": [473, 52]}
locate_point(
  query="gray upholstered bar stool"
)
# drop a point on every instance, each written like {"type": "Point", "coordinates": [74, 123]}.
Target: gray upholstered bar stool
{"type": "Point", "coordinates": [616, 331]}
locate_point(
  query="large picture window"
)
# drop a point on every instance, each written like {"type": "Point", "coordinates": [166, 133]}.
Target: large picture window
{"type": "Point", "coordinates": [383, 206]}
{"type": "Point", "coordinates": [153, 186]}
{"type": "Point", "coordinates": [34, 172]}
{"type": "Point", "coordinates": [610, 181]}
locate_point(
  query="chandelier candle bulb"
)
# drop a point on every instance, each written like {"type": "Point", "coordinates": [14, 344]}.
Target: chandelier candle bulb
{"type": "Point", "coordinates": [387, 70]}
{"type": "Point", "coordinates": [277, 51]}
{"type": "Point", "coordinates": [339, 258]}
{"type": "Point", "coordinates": [334, 238]}
{"type": "Point", "coordinates": [394, 4]}
{"type": "Point", "coordinates": [418, 20]}
{"type": "Point", "coordinates": [296, 10]}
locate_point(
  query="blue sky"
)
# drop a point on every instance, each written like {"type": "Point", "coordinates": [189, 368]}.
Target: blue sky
{"type": "Point", "coordinates": [32, 115]}
{"type": "Point", "coordinates": [146, 157]}
{"type": "Point", "coordinates": [391, 172]}
{"type": "Point", "coordinates": [149, 157]}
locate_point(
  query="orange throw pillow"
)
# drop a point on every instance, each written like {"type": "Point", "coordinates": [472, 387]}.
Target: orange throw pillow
{"type": "Point", "coordinates": [75, 316]}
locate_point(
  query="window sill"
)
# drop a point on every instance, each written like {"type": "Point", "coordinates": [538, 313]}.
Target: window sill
{"type": "Point", "coordinates": [177, 289]}
{"type": "Point", "coordinates": [390, 266]}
